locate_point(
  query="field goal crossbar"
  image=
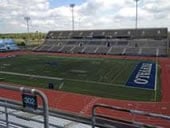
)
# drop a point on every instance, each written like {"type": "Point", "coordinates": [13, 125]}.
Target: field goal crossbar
{"type": "Point", "coordinates": [98, 116]}
{"type": "Point", "coordinates": [35, 92]}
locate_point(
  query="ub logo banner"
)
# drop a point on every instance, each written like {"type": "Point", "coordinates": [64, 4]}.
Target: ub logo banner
{"type": "Point", "coordinates": [143, 76]}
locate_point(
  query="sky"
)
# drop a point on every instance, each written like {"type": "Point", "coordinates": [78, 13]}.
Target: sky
{"type": "Point", "coordinates": [46, 15]}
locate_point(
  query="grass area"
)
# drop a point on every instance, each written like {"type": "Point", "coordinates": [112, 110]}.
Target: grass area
{"type": "Point", "coordinates": [17, 36]}
{"type": "Point", "coordinates": [93, 76]}
{"type": "Point", "coordinates": [85, 69]}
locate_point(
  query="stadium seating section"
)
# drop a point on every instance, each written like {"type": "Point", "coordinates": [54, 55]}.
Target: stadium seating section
{"type": "Point", "coordinates": [140, 42]}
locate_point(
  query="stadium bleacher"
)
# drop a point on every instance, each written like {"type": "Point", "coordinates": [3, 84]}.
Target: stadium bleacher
{"type": "Point", "coordinates": [143, 42]}
{"type": "Point", "coordinates": [133, 51]}
{"type": "Point", "coordinates": [78, 49]}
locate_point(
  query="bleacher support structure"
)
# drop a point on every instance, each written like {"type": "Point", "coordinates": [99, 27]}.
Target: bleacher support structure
{"type": "Point", "coordinates": [136, 42]}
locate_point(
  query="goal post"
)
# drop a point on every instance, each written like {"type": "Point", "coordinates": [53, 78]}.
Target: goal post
{"type": "Point", "coordinates": [56, 84]}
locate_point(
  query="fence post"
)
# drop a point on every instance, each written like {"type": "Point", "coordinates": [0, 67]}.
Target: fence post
{"type": "Point", "coordinates": [6, 115]}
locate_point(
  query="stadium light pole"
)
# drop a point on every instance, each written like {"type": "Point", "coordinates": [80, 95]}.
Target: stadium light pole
{"type": "Point", "coordinates": [72, 10]}
{"type": "Point", "coordinates": [27, 19]}
{"type": "Point", "coordinates": [79, 22]}
{"type": "Point", "coordinates": [136, 13]}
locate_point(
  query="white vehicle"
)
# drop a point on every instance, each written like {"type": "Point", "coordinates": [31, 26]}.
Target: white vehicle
{"type": "Point", "coordinates": [2, 47]}
{"type": "Point", "coordinates": [8, 45]}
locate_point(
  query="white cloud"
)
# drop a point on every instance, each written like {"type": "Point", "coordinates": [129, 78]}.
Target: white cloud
{"type": "Point", "coordinates": [92, 14]}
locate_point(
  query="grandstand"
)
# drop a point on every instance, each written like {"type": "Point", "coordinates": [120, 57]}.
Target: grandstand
{"type": "Point", "coordinates": [140, 42]}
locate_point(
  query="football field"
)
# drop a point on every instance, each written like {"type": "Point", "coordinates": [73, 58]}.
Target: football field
{"type": "Point", "coordinates": [102, 77]}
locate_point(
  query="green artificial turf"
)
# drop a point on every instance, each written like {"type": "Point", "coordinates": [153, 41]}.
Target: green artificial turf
{"type": "Point", "coordinates": [92, 76]}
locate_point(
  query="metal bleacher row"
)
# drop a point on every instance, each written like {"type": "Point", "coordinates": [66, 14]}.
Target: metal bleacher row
{"type": "Point", "coordinates": [144, 42]}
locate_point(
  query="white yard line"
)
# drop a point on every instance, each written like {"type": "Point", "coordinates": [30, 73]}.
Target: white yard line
{"type": "Point", "coordinates": [156, 77]}
{"type": "Point", "coordinates": [30, 75]}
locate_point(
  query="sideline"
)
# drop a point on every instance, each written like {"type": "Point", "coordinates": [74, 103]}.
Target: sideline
{"type": "Point", "coordinates": [62, 79]}
{"type": "Point", "coordinates": [29, 75]}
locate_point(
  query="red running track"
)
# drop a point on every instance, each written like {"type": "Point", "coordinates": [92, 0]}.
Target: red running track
{"type": "Point", "coordinates": [165, 78]}
{"type": "Point", "coordinates": [82, 104]}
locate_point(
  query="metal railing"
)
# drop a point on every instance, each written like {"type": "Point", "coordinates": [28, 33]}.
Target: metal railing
{"type": "Point", "coordinates": [35, 92]}
{"type": "Point", "coordinates": [20, 113]}
{"type": "Point", "coordinates": [133, 123]}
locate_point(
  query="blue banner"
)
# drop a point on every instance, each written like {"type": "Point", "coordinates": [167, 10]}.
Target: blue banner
{"type": "Point", "coordinates": [143, 76]}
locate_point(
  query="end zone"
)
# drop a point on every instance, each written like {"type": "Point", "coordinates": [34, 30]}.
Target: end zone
{"type": "Point", "coordinates": [144, 76]}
